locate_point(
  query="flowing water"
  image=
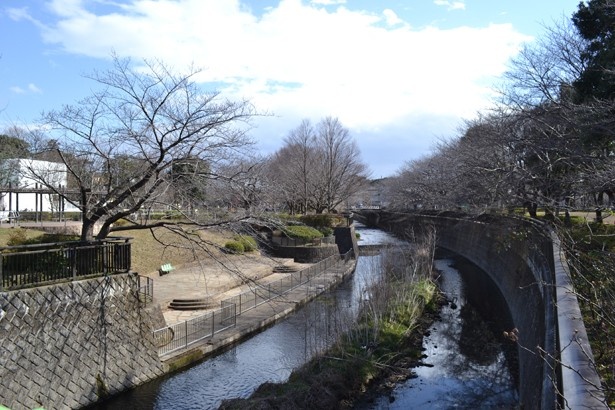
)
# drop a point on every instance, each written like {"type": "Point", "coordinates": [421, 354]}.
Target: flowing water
{"type": "Point", "coordinates": [271, 355]}
{"type": "Point", "coordinates": [465, 364]}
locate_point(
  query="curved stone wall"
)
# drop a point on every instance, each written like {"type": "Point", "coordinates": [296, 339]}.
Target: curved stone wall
{"type": "Point", "coordinates": [518, 255]}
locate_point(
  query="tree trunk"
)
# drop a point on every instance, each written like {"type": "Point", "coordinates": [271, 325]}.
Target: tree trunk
{"type": "Point", "coordinates": [599, 218]}
{"type": "Point", "coordinates": [599, 203]}
{"type": "Point", "coordinates": [532, 209]}
{"type": "Point", "coordinates": [87, 229]}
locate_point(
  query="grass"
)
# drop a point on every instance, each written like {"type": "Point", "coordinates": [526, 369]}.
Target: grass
{"type": "Point", "coordinates": [148, 253]}
{"type": "Point", "coordinates": [6, 233]}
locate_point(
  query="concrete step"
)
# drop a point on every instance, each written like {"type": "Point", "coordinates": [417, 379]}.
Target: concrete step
{"type": "Point", "coordinates": [284, 269]}
{"type": "Point", "coordinates": [190, 304]}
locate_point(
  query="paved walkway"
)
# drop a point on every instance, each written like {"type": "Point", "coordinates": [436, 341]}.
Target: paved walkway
{"type": "Point", "coordinates": [263, 315]}
{"type": "Point", "coordinates": [214, 280]}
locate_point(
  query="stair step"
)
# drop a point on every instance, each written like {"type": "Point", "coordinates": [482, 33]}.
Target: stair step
{"type": "Point", "coordinates": [201, 300]}
{"type": "Point", "coordinates": [190, 304]}
{"type": "Point", "coordinates": [284, 269]}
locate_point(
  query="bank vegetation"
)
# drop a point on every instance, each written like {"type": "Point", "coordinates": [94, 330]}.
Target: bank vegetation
{"type": "Point", "coordinates": [385, 341]}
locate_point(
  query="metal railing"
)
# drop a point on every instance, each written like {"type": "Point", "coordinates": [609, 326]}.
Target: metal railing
{"type": "Point", "coordinates": [288, 242]}
{"type": "Point", "coordinates": [146, 289]}
{"type": "Point", "coordinates": [35, 265]}
{"type": "Point", "coordinates": [183, 334]}
{"type": "Point", "coordinates": [261, 294]}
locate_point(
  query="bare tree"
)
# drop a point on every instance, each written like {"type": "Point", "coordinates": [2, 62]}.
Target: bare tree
{"type": "Point", "coordinates": [301, 143]}
{"type": "Point", "coordinates": [284, 188]}
{"type": "Point", "coordinates": [293, 168]}
{"type": "Point", "coordinates": [119, 145]}
{"type": "Point", "coordinates": [340, 170]}
{"type": "Point", "coordinates": [318, 168]}
{"type": "Point", "coordinates": [242, 184]}
{"type": "Point", "coordinates": [544, 70]}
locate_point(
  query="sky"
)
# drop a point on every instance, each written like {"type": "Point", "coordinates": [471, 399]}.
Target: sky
{"type": "Point", "coordinates": [400, 75]}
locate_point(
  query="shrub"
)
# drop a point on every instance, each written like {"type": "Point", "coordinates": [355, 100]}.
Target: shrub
{"type": "Point", "coordinates": [249, 243]}
{"type": "Point", "coordinates": [17, 237]}
{"type": "Point", "coordinates": [323, 222]}
{"type": "Point", "coordinates": [317, 220]}
{"type": "Point", "coordinates": [172, 215]}
{"type": "Point", "coordinates": [234, 247]}
{"type": "Point", "coordinates": [284, 217]}
{"type": "Point", "coordinates": [72, 216]}
{"type": "Point", "coordinates": [122, 222]}
{"type": "Point", "coordinates": [307, 233]}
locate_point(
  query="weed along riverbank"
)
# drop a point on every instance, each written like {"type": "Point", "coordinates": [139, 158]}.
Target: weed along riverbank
{"type": "Point", "coordinates": [380, 344]}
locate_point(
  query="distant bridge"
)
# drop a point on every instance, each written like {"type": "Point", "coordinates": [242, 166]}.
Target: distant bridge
{"type": "Point", "coordinates": [524, 261]}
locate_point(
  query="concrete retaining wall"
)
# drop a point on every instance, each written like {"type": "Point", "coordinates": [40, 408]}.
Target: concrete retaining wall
{"type": "Point", "coordinates": [306, 254]}
{"type": "Point", "coordinates": [67, 345]}
{"type": "Point", "coordinates": [518, 256]}
{"type": "Point", "coordinates": [346, 239]}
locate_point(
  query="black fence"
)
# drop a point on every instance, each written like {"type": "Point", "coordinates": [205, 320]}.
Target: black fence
{"type": "Point", "coordinates": [146, 289]}
{"type": "Point", "coordinates": [183, 334]}
{"type": "Point", "coordinates": [36, 265]}
{"type": "Point", "coordinates": [259, 295]}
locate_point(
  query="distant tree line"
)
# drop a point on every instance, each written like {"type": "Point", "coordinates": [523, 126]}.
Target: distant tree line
{"type": "Point", "coordinates": [547, 142]}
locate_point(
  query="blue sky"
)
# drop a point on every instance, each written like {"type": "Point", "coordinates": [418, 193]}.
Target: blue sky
{"type": "Point", "coordinates": [398, 74]}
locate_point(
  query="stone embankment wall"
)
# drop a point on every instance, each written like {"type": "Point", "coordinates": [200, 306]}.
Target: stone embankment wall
{"type": "Point", "coordinates": [306, 254]}
{"type": "Point", "coordinates": [67, 345]}
{"type": "Point", "coordinates": [518, 255]}
{"type": "Point", "coordinates": [346, 239]}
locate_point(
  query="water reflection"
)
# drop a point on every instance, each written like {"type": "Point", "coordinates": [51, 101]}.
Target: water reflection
{"type": "Point", "coordinates": [269, 356]}
{"type": "Point", "coordinates": [465, 365]}
{"type": "Point", "coordinates": [467, 371]}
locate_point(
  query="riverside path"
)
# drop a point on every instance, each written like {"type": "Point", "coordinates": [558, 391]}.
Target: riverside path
{"type": "Point", "coordinates": [246, 321]}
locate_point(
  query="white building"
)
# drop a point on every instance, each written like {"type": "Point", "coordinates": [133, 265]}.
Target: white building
{"type": "Point", "coordinates": [24, 191]}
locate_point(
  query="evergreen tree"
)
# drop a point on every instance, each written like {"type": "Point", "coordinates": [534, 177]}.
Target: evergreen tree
{"type": "Point", "coordinates": [595, 21]}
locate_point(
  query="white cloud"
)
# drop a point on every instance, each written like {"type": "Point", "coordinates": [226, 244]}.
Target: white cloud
{"type": "Point", "coordinates": [31, 88]}
{"type": "Point", "coordinates": [328, 2]}
{"type": "Point", "coordinates": [299, 61]}
{"type": "Point", "coordinates": [451, 5]}
{"type": "Point", "coordinates": [391, 17]}
{"type": "Point", "coordinates": [34, 89]}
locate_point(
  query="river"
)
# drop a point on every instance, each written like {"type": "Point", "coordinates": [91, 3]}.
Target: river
{"type": "Point", "coordinates": [271, 355]}
{"type": "Point", "coordinates": [465, 363]}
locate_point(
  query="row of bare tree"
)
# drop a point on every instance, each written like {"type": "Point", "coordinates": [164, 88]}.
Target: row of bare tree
{"type": "Point", "coordinates": [149, 139]}
{"type": "Point", "coordinates": [549, 139]}
{"type": "Point", "coordinates": [548, 142]}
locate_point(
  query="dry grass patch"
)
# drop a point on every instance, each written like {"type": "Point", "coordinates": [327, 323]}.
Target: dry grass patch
{"type": "Point", "coordinates": [6, 233]}
{"type": "Point", "coordinates": [148, 253]}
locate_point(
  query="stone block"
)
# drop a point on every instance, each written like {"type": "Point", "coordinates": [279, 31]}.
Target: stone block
{"type": "Point", "coordinates": [56, 338]}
